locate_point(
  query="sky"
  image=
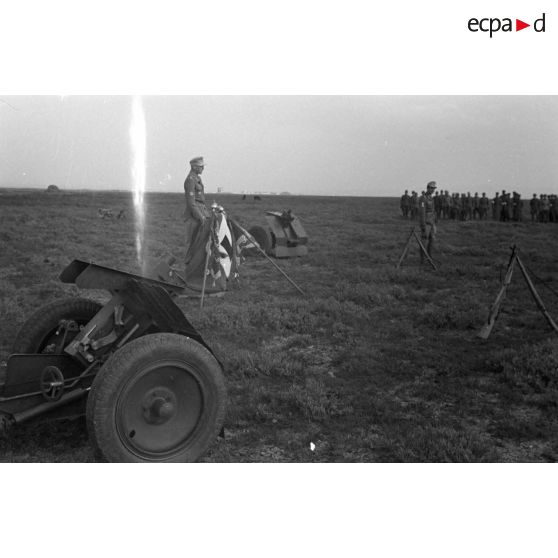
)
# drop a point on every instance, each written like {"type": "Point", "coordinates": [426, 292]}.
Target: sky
{"type": "Point", "coordinates": [309, 145]}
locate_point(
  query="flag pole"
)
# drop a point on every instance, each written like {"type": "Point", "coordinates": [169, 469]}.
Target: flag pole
{"type": "Point", "coordinates": [255, 242]}
{"type": "Point", "coordinates": [208, 253]}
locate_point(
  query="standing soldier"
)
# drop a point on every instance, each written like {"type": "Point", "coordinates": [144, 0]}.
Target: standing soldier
{"type": "Point", "coordinates": [438, 205]}
{"type": "Point", "coordinates": [496, 207]}
{"type": "Point", "coordinates": [534, 206]}
{"type": "Point", "coordinates": [544, 208]}
{"type": "Point", "coordinates": [469, 206]}
{"type": "Point", "coordinates": [553, 210]}
{"type": "Point", "coordinates": [455, 207]}
{"type": "Point", "coordinates": [464, 210]}
{"type": "Point", "coordinates": [414, 205]}
{"type": "Point", "coordinates": [196, 213]}
{"type": "Point", "coordinates": [427, 218]}
{"type": "Point", "coordinates": [446, 205]}
{"type": "Point", "coordinates": [405, 204]}
{"type": "Point", "coordinates": [476, 206]}
{"type": "Point", "coordinates": [517, 207]}
{"type": "Point", "coordinates": [484, 203]}
{"type": "Point", "coordinates": [505, 207]}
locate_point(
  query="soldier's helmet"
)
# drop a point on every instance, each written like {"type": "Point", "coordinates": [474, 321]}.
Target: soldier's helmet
{"type": "Point", "coordinates": [197, 161]}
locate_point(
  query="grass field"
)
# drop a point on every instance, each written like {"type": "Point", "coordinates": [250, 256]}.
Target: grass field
{"type": "Point", "coordinates": [372, 364]}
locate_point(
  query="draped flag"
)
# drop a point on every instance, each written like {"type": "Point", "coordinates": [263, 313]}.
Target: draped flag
{"type": "Point", "coordinates": [214, 255]}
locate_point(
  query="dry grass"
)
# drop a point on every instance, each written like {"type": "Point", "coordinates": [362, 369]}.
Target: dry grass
{"type": "Point", "coordinates": [373, 364]}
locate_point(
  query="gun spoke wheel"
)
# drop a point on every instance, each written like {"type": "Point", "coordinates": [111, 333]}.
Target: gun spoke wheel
{"type": "Point", "coordinates": [54, 325]}
{"type": "Point", "coordinates": [159, 398]}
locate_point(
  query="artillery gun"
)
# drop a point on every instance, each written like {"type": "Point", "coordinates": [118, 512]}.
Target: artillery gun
{"type": "Point", "coordinates": [153, 389]}
{"type": "Point", "coordinates": [285, 236]}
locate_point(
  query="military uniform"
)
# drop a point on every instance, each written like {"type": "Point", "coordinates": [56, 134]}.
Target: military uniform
{"type": "Point", "coordinates": [484, 203]}
{"type": "Point", "coordinates": [414, 205]}
{"type": "Point", "coordinates": [405, 204]}
{"type": "Point", "coordinates": [427, 218]}
{"type": "Point", "coordinates": [476, 206]}
{"type": "Point", "coordinates": [464, 207]}
{"type": "Point", "coordinates": [505, 203]}
{"type": "Point", "coordinates": [517, 207]}
{"type": "Point", "coordinates": [553, 210]}
{"type": "Point", "coordinates": [446, 205]}
{"type": "Point", "coordinates": [544, 208]}
{"type": "Point", "coordinates": [534, 206]}
{"type": "Point", "coordinates": [196, 212]}
{"type": "Point", "coordinates": [496, 210]}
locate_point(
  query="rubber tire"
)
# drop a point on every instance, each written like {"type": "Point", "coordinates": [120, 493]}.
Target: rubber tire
{"type": "Point", "coordinates": [128, 361]}
{"type": "Point", "coordinates": [262, 237]}
{"type": "Point", "coordinates": [43, 323]}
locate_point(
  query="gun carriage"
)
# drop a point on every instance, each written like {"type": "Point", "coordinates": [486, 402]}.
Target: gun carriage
{"type": "Point", "coordinates": [152, 389]}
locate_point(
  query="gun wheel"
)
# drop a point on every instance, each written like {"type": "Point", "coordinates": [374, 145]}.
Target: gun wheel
{"type": "Point", "coordinates": [159, 398]}
{"type": "Point", "coordinates": [49, 329]}
{"type": "Point", "coordinates": [263, 237]}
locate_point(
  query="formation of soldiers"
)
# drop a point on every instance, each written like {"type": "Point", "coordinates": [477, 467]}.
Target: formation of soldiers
{"type": "Point", "coordinates": [465, 207]}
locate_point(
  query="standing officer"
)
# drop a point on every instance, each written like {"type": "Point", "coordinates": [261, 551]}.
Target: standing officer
{"type": "Point", "coordinates": [427, 218]}
{"type": "Point", "coordinates": [195, 213]}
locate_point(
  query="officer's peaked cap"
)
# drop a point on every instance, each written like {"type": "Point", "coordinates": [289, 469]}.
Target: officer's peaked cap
{"type": "Point", "coordinates": [431, 185]}
{"type": "Point", "coordinates": [198, 161]}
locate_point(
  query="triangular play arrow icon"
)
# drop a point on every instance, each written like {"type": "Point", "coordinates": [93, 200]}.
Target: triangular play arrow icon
{"type": "Point", "coordinates": [519, 25]}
